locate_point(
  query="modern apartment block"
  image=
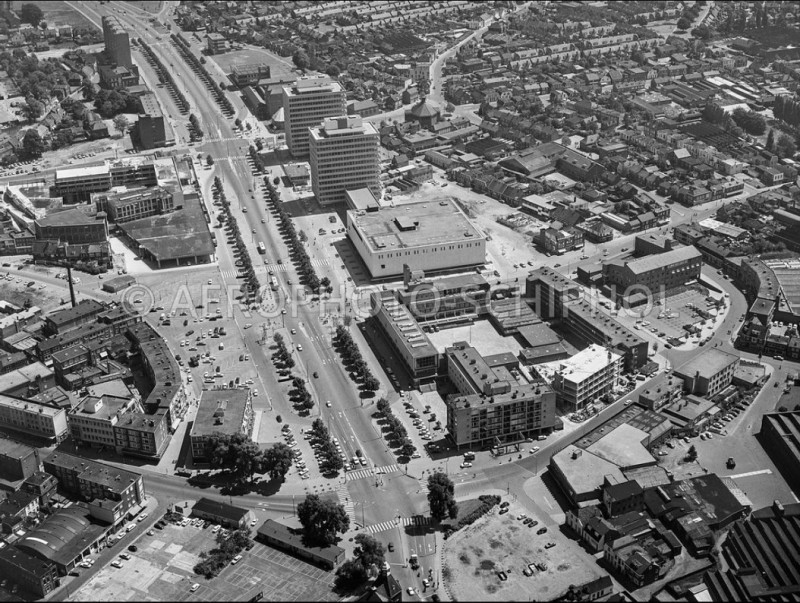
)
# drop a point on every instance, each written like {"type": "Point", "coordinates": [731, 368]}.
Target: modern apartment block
{"type": "Point", "coordinates": [216, 43]}
{"type": "Point", "coordinates": [117, 42]}
{"type": "Point", "coordinates": [492, 407]}
{"type": "Point", "coordinates": [583, 378]}
{"type": "Point", "coordinates": [306, 104]}
{"type": "Point", "coordinates": [344, 156]}
{"type": "Point", "coordinates": [431, 236]}
{"type": "Point", "coordinates": [639, 281]}
{"type": "Point", "coordinates": [151, 125]}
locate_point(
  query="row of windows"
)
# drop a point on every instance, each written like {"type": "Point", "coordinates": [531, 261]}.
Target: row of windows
{"type": "Point", "coordinates": [398, 254]}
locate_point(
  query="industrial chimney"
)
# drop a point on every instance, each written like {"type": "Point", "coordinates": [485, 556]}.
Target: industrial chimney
{"type": "Point", "coordinates": [71, 287]}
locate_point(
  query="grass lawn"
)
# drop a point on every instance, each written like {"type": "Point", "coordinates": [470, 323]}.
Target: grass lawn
{"type": "Point", "coordinates": [57, 12]}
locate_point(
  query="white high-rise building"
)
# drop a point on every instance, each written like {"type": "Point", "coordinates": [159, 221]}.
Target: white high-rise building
{"type": "Point", "coordinates": [306, 104]}
{"type": "Point", "coordinates": [344, 156]}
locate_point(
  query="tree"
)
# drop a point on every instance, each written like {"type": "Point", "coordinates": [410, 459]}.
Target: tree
{"type": "Point", "coordinates": [771, 140]}
{"type": "Point", "coordinates": [322, 519]}
{"type": "Point", "coordinates": [236, 453]}
{"type": "Point", "coordinates": [333, 70]}
{"type": "Point", "coordinates": [383, 405]}
{"type": "Point", "coordinates": [441, 497]}
{"type": "Point", "coordinates": [302, 236]}
{"type": "Point", "coordinates": [300, 59]}
{"type": "Point", "coordinates": [237, 122]}
{"type": "Point", "coordinates": [785, 146]}
{"type": "Point", "coordinates": [32, 145]}
{"type": "Point", "coordinates": [209, 160]}
{"type": "Point", "coordinates": [371, 384]}
{"type": "Point", "coordinates": [121, 123]}
{"type": "Point", "coordinates": [350, 575]}
{"type": "Point", "coordinates": [277, 461]}
{"type": "Point", "coordinates": [702, 32]}
{"type": "Point", "coordinates": [30, 13]}
{"type": "Point", "coordinates": [684, 23]}
{"type": "Point", "coordinates": [692, 454]}
{"type": "Point", "coordinates": [32, 109]}
{"type": "Point", "coordinates": [369, 550]}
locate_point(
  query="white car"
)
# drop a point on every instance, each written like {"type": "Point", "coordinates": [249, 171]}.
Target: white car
{"type": "Point", "coordinates": [466, 465]}
{"type": "Point", "coordinates": [142, 517]}
{"type": "Point", "coordinates": [195, 586]}
{"type": "Point", "coordinates": [328, 403]}
{"type": "Point", "coordinates": [255, 392]}
{"type": "Point", "coordinates": [236, 559]}
{"type": "Point", "coordinates": [116, 564]}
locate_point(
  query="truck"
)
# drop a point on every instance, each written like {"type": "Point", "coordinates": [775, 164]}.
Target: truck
{"type": "Point", "coordinates": [261, 248]}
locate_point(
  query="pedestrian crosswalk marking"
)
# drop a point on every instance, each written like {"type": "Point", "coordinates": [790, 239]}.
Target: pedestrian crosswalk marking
{"type": "Point", "coordinates": [387, 469]}
{"type": "Point", "coordinates": [359, 474]}
{"type": "Point", "coordinates": [344, 500]}
{"type": "Point", "coordinates": [385, 526]}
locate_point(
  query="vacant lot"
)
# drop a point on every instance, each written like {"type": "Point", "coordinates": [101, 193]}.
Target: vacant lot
{"type": "Point", "coordinates": [57, 12]}
{"type": "Point", "coordinates": [17, 292]}
{"type": "Point", "coordinates": [474, 556]}
{"type": "Point", "coordinates": [277, 65]}
{"type": "Point", "coordinates": [161, 570]}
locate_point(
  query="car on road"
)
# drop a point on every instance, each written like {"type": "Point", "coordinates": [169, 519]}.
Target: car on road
{"type": "Point", "coordinates": [328, 403]}
{"type": "Point", "coordinates": [550, 545]}
{"type": "Point", "coordinates": [299, 348]}
{"type": "Point", "coordinates": [316, 375]}
{"type": "Point", "coordinates": [628, 402]}
{"type": "Point", "coordinates": [391, 547]}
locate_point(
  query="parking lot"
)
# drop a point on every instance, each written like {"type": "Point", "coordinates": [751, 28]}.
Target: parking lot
{"type": "Point", "coordinates": [162, 569]}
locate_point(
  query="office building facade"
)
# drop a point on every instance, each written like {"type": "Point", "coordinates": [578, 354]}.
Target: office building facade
{"type": "Point", "coordinates": [344, 156]}
{"type": "Point", "coordinates": [306, 104]}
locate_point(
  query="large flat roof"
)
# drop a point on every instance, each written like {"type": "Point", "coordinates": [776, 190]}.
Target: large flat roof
{"type": "Point", "coordinates": [623, 447]}
{"type": "Point", "coordinates": [29, 406]}
{"type": "Point", "coordinates": [405, 326]}
{"type": "Point", "coordinates": [662, 260]}
{"type": "Point", "coordinates": [707, 364]}
{"type": "Point", "coordinates": [82, 171]}
{"type": "Point", "coordinates": [69, 217]}
{"type": "Point", "coordinates": [415, 225]}
{"type": "Point", "coordinates": [85, 307]}
{"type": "Point", "coordinates": [585, 471]}
{"type": "Point", "coordinates": [178, 234]}
{"type": "Point", "coordinates": [220, 411]}
{"type": "Point", "coordinates": [582, 366]}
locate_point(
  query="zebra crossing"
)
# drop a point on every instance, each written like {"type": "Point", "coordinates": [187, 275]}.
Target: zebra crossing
{"type": "Point", "coordinates": [385, 526]}
{"type": "Point", "coordinates": [229, 157]}
{"type": "Point", "coordinates": [263, 269]}
{"type": "Point", "coordinates": [363, 473]}
{"type": "Point", "coordinates": [387, 469]}
{"type": "Point", "coordinates": [359, 474]}
{"type": "Point", "coordinates": [344, 500]}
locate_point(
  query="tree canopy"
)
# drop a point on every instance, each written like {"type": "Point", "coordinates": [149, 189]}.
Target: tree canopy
{"type": "Point", "coordinates": [441, 496]}
{"type": "Point", "coordinates": [30, 13]}
{"type": "Point", "coordinates": [241, 456]}
{"type": "Point", "coordinates": [322, 519]}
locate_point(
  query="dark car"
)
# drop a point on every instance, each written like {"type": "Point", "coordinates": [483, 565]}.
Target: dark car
{"type": "Point", "coordinates": [504, 504]}
{"type": "Point", "coordinates": [541, 531]}
{"type": "Point", "coordinates": [133, 548]}
{"type": "Point", "coordinates": [391, 547]}
{"type": "Point", "coordinates": [503, 510]}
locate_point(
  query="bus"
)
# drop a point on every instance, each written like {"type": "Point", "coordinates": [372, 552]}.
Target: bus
{"type": "Point", "coordinates": [273, 282]}
{"type": "Point", "coordinates": [261, 249]}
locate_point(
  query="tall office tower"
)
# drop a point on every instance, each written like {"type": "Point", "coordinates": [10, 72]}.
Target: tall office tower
{"type": "Point", "coordinates": [306, 104]}
{"type": "Point", "coordinates": [344, 156]}
{"type": "Point", "coordinates": [118, 44]}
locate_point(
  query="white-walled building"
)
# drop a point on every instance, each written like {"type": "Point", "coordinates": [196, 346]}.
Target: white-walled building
{"type": "Point", "coordinates": [306, 104]}
{"type": "Point", "coordinates": [344, 156]}
{"type": "Point", "coordinates": [584, 377]}
{"type": "Point", "coordinates": [431, 236]}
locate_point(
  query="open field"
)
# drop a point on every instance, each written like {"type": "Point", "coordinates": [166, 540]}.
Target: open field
{"type": "Point", "coordinates": [151, 6]}
{"type": "Point", "coordinates": [162, 570]}
{"type": "Point", "coordinates": [57, 12]}
{"type": "Point", "coordinates": [474, 556]}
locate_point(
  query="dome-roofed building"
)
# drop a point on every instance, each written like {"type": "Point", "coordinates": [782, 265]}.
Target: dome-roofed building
{"type": "Point", "coordinates": [426, 112]}
{"type": "Point", "coordinates": [64, 538]}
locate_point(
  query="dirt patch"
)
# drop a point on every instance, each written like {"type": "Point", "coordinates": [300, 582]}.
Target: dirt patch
{"type": "Point", "coordinates": [510, 549]}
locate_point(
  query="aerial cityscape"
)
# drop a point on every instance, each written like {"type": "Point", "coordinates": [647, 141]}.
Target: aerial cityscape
{"type": "Point", "coordinates": [431, 300]}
